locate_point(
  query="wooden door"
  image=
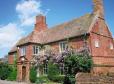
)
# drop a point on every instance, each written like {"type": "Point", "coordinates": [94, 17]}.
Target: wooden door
{"type": "Point", "coordinates": [23, 73]}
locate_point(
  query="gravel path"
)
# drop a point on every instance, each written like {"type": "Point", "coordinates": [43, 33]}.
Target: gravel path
{"type": "Point", "coordinates": [10, 82]}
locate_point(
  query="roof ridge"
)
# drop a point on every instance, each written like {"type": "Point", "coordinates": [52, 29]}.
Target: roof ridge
{"type": "Point", "coordinates": [69, 21]}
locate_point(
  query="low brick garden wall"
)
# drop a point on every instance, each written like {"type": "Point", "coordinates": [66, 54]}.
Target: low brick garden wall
{"type": "Point", "coordinates": [87, 78]}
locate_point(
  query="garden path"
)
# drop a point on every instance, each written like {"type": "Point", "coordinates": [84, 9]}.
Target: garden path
{"type": "Point", "coordinates": [11, 82]}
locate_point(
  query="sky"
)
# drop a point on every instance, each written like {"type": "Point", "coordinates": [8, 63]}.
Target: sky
{"type": "Point", "coordinates": [17, 17]}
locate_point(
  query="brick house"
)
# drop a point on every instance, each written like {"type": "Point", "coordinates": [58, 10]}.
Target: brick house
{"type": "Point", "coordinates": [99, 40]}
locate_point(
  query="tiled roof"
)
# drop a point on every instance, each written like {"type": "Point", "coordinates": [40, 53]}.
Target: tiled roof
{"type": "Point", "coordinates": [13, 49]}
{"type": "Point", "coordinates": [75, 27]}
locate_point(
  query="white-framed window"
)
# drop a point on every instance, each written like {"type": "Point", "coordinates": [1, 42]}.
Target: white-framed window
{"type": "Point", "coordinates": [36, 49]}
{"type": "Point", "coordinates": [45, 68]}
{"type": "Point", "coordinates": [23, 51]}
{"type": "Point", "coordinates": [111, 46]}
{"type": "Point", "coordinates": [63, 46]}
{"type": "Point", "coordinates": [97, 44]}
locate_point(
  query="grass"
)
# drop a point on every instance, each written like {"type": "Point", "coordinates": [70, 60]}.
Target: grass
{"type": "Point", "coordinates": [45, 80]}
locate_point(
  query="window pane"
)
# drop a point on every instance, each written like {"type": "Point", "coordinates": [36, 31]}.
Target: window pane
{"type": "Point", "coordinates": [23, 51]}
{"type": "Point", "coordinates": [36, 49]}
{"type": "Point", "coordinates": [111, 46]}
{"type": "Point", "coordinates": [96, 44]}
{"type": "Point", "coordinates": [45, 69]}
{"type": "Point", "coordinates": [63, 46]}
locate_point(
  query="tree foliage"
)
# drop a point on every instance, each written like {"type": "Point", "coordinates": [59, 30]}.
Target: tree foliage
{"type": "Point", "coordinates": [33, 74]}
{"type": "Point", "coordinates": [13, 74]}
{"type": "Point", "coordinates": [78, 63]}
{"type": "Point", "coordinates": [5, 71]}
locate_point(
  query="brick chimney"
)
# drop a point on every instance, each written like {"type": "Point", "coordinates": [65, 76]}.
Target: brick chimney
{"type": "Point", "coordinates": [40, 23]}
{"type": "Point", "coordinates": [98, 7]}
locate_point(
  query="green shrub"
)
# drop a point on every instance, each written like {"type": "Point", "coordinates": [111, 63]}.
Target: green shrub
{"type": "Point", "coordinates": [74, 64]}
{"type": "Point", "coordinates": [5, 71]}
{"type": "Point", "coordinates": [69, 80]}
{"type": "Point", "coordinates": [33, 74]}
{"type": "Point", "coordinates": [78, 63]}
{"type": "Point", "coordinates": [42, 79]}
{"type": "Point", "coordinates": [53, 71]}
{"type": "Point", "coordinates": [72, 80]}
{"type": "Point", "coordinates": [66, 80]}
{"type": "Point", "coordinates": [13, 75]}
{"type": "Point", "coordinates": [45, 79]}
{"type": "Point", "coordinates": [58, 78]}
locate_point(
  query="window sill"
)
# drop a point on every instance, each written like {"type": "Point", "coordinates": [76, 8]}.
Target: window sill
{"type": "Point", "coordinates": [23, 55]}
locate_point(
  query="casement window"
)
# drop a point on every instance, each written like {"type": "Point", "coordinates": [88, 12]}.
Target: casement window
{"type": "Point", "coordinates": [14, 56]}
{"type": "Point", "coordinates": [97, 44]}
{"type": "Point", "coordinates": [36, 49]}
{"type": "Point", "coordinates": [111, 46]}
{"type": "Point", "coordinates": [45, 68]}
{"type": "Point", "coordinates": [23, 51]}
{"type": "Point", "coordinates": [63, 46]}
{"type": "Point", "coordinates": [38, 72]}
{"type": "Point", "coordinates": [62, 70]}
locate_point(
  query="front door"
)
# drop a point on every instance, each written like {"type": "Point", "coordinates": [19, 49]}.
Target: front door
{"type": "Point", "coordinates": [23, 73]}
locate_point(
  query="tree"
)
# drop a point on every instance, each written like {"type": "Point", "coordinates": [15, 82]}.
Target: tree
{"type": "Point", "coordinates": [78, 63]}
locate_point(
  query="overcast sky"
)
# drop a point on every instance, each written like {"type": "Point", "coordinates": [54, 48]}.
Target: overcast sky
{"type": "Point", "coordinates": [17, 17]}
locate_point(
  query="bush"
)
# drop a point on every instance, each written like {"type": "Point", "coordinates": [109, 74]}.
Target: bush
{"type": "Point", "coordinates": [69, 80]}
{"type": "Point", "coordinates": [5, 71]}
{"type": "Point", "coordinates": [72, 80]}
{"type": "Point", "coordinates": [45, 79]}
{"type": "Point", "coordinates": [42, 79]}
{"type": "Point", "coordinates": [53, 71]}
{"type": "Point", "coordinates": [78, 63]}
{"type": "Point", "coordinates": [66, 80]}
{"type": "Point", "coordinates": [58, 78]}
{"type": "Point", "coordinates": [74, 64]}
{"type": "Point", "coordinates": [13, 75]}
{"type": "Point", "coordinates": [33, 74]}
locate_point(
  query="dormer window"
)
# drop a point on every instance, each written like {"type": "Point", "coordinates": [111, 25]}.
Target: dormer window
{"type": "Point", "coordinates": [36, 49]}
{"type": "Point", "coordinates": [23, 51]}
{"type": "Point", "coordinates": [111, 46]}
{"type": "Point", "coordinates": [63, 46]}
{"type": "Point", "coordinates": [97, 44]}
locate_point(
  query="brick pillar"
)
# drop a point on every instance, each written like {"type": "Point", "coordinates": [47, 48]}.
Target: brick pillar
{"type": "Point", "coordinates": [27, 72]}
{"type": "Point", "coordinates": [19, 72]}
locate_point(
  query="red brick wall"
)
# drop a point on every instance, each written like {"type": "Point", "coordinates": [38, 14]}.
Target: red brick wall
{"type": "Point", "coordinates": [11, 58]}
{"type": "Point", "coordinates": [29, 52]}
{"type": "Point", "coordinates": [102, 55]}
{"type": "Point", "coordinates": [88, 78]}
{"type": "Point", "coordinates": [104, 37]}
{"type": "Point", "coordinates": [76, 43]}
{"type": "Point", "coordinates": [104, 46]}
